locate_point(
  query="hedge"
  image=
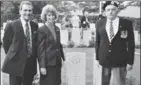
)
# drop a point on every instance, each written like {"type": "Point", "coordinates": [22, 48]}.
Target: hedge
{"type": "Point", "coordinates": [92, 19]}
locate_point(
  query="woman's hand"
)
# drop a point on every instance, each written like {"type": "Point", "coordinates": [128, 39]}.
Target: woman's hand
{"type": "Point", "coordinates": [43, 71]}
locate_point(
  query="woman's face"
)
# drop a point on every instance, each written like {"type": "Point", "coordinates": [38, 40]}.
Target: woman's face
{"type": "Point", "coordinates": [50, 17]}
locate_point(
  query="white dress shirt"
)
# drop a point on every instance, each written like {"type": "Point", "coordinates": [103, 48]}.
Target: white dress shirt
{"type": "Point", "coordinates": [24, 28]}
{"type": "Point", "coordinates": [115, 27]}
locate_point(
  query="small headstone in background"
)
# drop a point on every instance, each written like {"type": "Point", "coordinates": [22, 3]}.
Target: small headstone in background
{"type": "Point", "coordinates": [64, 36]}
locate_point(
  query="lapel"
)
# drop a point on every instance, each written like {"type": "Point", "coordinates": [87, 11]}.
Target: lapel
{"type": "Point", "coordinates": [50, 34]}
{"type": "Point", "coordinates": [20, 27]}
{"type": "Point", "coordinates": [103, 28]}
{"type": "Point", "coordinates": [119, 28]}
{"type": "Point", "coordinates": [57, 30]}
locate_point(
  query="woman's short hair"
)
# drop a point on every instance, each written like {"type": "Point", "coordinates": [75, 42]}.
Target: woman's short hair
{"type": "Point", "coordinates": [25, 2]}
{"type": "Point", "coordinates": [48, 9]}
{"type": "Point", "coordinates": [86, 9]}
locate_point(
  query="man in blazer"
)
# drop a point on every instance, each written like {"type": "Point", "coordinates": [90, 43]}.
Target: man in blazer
{"type": "Point", "coordinates": [19, 43]}
{"type": "Point", "coordinates": [114, 45]}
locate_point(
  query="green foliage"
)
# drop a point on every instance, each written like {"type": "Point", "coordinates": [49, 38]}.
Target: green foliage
{"type": "Point", "coordinates": [136, 23]}
{"type": "Point", "coordinates": [82, 46]}
{"type": "Point", "coordinates": [70, 44]}
{"type": "Point", "coordinates": [91, 43]}
{"type": "Point", "coordinates": [10, 9]}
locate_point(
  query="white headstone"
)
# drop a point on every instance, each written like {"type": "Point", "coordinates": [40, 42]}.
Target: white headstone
{"type": "Point", "coordinates": [97, 72]}
{"type": "Point", "coordinates": [40, 24]}
{"type": "Point", "coordinates": [4, 25]}
{"type": "Point", "coordinates": [59, 25]}
{"type": "Point", "coordinates": [92, 27]}
{"type": "Point", "coordinates": [63, 75]}
{"type": "Point", "coordinates": [76, 68]}
{"type": "Point", "coordinates": [136, 36]}
{"type": "Point", "coordinates": [4, 76]}
{"type": "Point", "coordinates": [75, 21]}
{"type": "Point", "coordinates": [76, 36]}
{"type": "Point", "coordinates": [87, 37]}
{"type": "Point", "coordinates": [1, 79]}
{"type": "Point", "coordinates": [64, 36]}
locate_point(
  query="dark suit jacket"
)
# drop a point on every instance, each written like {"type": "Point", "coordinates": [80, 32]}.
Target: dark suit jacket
{"type": "Point", "coordinates": [15, 46]}
{"type": "Point", "coordinates": [120, 51]}
{"type": "Point", "coordinates": [86, 25]}
{"type": "Point", "coordinates": [50, 51]}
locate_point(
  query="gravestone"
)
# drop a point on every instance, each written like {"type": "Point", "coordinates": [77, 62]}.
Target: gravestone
{"type": "Point", "coordinates": [63, 74]}
{"type": "Point", "coordinates": [87, 37]}
{"type": "Point", "coordinates": [92, 27]}
{"type": "Point", "coordinates": [4, 25]}
{"type": "Point", "coordinates": [64, 36]}
{"type": "Point", "coordinates": [4, 76]}
{"type": "Point", "coordinates": [58, 25]}
{"type": "Point", "coordinates": [76, 68]}
{"type": "Point", "coordinates": [76, 36]}
{"type": "Point", "coordinates": [1, 79]}
{"type": "Point", "coordinates": [97, 72]}
{"type": "Point", "coordinates": [2, 31]}
{"type": "Point", "coordinates": [137, 38]}
{"type": "Point", "coordinates": [75, 21]}
{"type": "Point", "coordinates": [40, 24]}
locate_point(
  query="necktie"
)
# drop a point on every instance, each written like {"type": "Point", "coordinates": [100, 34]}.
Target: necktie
{"type": "Point", "coordinates": [111, 30]}
{"type": "Point", "coordinates": [28, 39]}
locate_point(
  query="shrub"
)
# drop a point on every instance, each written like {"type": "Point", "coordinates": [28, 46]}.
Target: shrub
{"type": "Point", "coordinates": [82, 46]}
{"type": "Point", "coordinates": [92, 43]}
{"type": "Point", "coordinates": [131, 81]}
{"type": "Point", "coordinates": [70, 44]}
{"type": "Point", "coordinates": [64, 46]}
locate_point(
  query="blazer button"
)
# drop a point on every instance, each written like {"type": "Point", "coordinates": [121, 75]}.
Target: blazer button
{"type": "Point", "coordinates": [57, 50]}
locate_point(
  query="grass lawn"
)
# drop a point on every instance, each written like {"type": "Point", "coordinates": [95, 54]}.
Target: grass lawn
{"type": "Point", "coordinates": [89, 65]}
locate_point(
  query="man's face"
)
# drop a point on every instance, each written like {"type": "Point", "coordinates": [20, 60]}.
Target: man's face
{"type": "Point", "coordinates": [26, 12]}
{"type": "Point", "coordinates": [111, 11]}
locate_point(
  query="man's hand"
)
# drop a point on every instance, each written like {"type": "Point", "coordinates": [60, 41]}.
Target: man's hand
{"type": "Point", "coordinates": [63, 62]}
{"type": "Point", "coordinates": [129, 67]}
{"type": "Point", "coordinates": [36, 79]}
{"type": "Point", "coordinates": [43, 71]}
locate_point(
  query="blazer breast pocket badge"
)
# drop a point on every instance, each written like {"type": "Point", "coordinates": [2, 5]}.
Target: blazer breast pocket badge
{"type": "Point", "coordinates": [34, 33]}
{"type": "Point", "coordinates": [124, 34]}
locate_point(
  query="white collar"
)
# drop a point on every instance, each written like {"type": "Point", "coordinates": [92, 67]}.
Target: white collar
{"type": "Point", "coordinates": [23, 21]}
{"type": "Point", "coordinates": [115, 20]}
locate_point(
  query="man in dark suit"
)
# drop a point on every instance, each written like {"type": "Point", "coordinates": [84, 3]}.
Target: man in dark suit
{"type": "Point", "coordinates": [114, 45]}
{"type": "Point", "coordinates": [19, 43]}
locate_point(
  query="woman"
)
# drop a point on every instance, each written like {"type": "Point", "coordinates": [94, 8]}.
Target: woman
{"type": "Point", "coordinates": [50, 52]}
